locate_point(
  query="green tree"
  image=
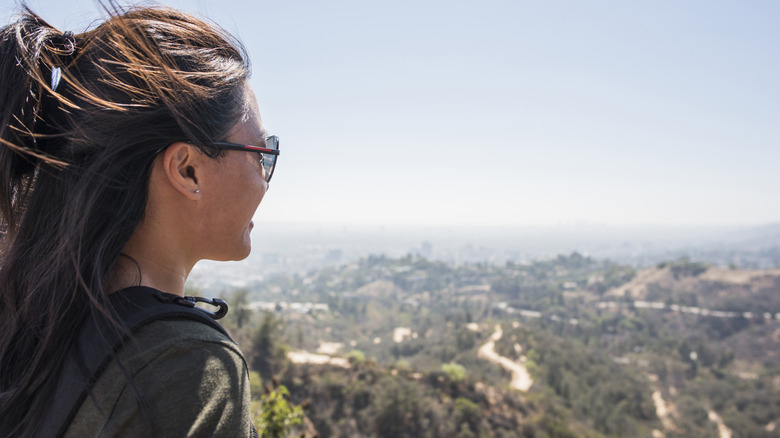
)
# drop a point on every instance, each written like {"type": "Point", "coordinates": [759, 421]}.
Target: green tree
{"type": "Point", "coordinates": [265, 352]}
{"type": "Point", "coordinates": [397, 409]}
{"type": "Point", "coordinates": [274, 414]}
{"type": "Point", "coordinates": [455, 372]}
{"type": "Point", "coordinates": [255, 385]}
{"type": "Point", "coordinates": [467, 412]}
{"type": "Point", "coordinates": [356, 357]}
{"type": "Point", "coordinates": [465, 339]}
{"type": "Point", "coordinates": [239, 307]}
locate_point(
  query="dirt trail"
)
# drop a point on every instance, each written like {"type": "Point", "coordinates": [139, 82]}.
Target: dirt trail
{"type": "Point", "coordinates": [723, 430]}
{"type": "Point", "coordinates": [662, 410]}
{"type": "Point", "coordinates": [520, 378]}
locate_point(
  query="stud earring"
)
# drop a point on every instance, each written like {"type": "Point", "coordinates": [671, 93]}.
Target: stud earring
{"type": "Point", "coordinates": [197, 190]}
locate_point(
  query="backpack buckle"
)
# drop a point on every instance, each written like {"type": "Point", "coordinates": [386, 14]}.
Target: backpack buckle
{"type": "Point", "coordinates": [216, 302]}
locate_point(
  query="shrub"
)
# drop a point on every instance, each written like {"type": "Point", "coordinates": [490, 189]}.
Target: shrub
{"type": "Point", "coordinates": [455, 372]}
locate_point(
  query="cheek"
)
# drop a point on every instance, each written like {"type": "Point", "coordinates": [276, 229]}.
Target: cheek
{"type": "Point", "coordinates": [245, 205]}
{"type": "Point", "coordinates": [258, 188]}
{"type": "Point", "coordinates": [242, 191]}
{"type": "Point", "coordinates": [228, 209]}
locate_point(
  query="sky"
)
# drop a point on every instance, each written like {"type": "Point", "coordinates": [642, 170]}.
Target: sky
{"type": "Point", "coordinates": [509, 113]}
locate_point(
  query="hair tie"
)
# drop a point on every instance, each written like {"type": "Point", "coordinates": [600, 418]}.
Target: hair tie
{"type": "Point", "coordinates": [70, 42]}
{"type": "Point", "coordinates": [70, 46]}
{"type": "Point", "coordinates": [56, 75]}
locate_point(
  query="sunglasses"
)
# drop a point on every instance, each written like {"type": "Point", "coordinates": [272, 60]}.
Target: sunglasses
{"type": "Point", "coordinates": [267, 153]}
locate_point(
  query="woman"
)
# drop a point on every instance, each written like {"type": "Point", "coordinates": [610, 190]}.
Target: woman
{"type": "Point", "coordinates": [122, 164]}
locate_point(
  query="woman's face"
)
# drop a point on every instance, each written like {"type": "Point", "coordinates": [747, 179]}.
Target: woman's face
{"type": "Point", "coordinates": [238, 186]}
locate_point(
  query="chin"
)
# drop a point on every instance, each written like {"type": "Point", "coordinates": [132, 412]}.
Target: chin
{"type": "Point", "coordinates": [237, 254]}
{"type": "Point", "coordinates": [244, 255]}
{"type": "Point", "coordinates": [240, 253]}
{"type": "Point", "coordinates": [245, 251]}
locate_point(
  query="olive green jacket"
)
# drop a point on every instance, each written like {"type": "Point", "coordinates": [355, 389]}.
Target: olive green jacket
{"type": "Point", "coordinates": [193, 380]}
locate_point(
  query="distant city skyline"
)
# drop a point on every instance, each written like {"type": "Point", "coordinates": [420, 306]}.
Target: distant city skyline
{"type": "Point", "coordinates": [500, 113]}
{"type": "Point", "coordinates": [285, 247]}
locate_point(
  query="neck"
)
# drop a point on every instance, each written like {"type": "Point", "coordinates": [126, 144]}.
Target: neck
{"type": "Point", "coordinates": [152, 262]}
{"type": "Point", "coordinates": [131, 271]}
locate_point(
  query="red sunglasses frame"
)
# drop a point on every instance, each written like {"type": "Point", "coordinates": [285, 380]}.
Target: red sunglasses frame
{"type": "Point", "coordinates": [257, 149]}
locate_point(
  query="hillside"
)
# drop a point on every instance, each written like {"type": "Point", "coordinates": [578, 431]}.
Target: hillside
{"type": "Point", "coordinates": [677, 350]}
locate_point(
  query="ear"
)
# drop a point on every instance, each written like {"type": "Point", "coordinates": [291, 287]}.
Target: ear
{"type": "Point", "coordinates": [181, 164]}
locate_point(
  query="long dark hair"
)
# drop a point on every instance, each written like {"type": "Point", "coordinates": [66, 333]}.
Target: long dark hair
{"type": "Point", "coordinates": [74, 168]}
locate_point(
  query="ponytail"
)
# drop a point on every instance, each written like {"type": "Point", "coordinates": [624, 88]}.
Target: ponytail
{"type": "Point", "coordinates": [30, 50]}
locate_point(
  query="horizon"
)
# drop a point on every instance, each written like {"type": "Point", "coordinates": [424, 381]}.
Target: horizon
{"type": "Point", "coordinates": [311, 248]}
{"type": "Point", "coordinates": [311, 224]}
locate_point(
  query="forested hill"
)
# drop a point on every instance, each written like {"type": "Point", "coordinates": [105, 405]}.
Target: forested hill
{"type": "Point", "coordinates": [565, 347]}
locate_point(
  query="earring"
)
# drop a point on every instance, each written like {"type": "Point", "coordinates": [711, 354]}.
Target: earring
{"type": "Point", "coordinates": [197, 190]}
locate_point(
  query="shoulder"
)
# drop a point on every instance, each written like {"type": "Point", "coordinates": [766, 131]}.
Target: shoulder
{"type": "Point", "coordinates": [192, 379]}
{"type": "Point", "coordinates": [184, 350]}
{"type": "Point", "coordinates": [176, 336]}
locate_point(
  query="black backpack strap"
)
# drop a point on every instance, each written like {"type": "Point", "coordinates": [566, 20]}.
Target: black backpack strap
{"type": "Point", "coordinates": [99, 340]}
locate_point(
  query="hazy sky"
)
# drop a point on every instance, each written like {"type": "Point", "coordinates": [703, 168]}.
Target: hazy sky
{"type": "Point", "coordinates": [510, 112]}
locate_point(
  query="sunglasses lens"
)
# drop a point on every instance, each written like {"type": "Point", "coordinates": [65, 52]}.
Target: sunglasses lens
{"type": "Point", "coordinates": [269, 160]}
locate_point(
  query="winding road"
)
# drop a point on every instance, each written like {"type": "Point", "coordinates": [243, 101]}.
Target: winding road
{"type": "Point", "coordinates": [521, 379]}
